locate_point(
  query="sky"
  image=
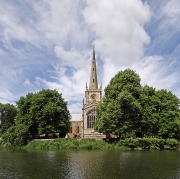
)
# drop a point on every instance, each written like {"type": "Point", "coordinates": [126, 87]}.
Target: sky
{"type": "Point", "coordinates": [48, 45]}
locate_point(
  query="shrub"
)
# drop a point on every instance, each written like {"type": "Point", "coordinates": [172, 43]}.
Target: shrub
{"type": "Point", "coordinates": [17, 135]}
{"type": "Point", "coordinates": [171, 144]}
{"type": "Point", "coordinates": [129, 143]}
{"type": "Point", "coordinates": [126, 144]}
{"type": "Point", "coordinates": [151, 143]}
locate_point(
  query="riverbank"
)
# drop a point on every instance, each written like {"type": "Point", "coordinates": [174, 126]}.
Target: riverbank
{"type": "Point", "coordinates": [89, 144]}
{"type": "Point", "coordinates": [126, 144]}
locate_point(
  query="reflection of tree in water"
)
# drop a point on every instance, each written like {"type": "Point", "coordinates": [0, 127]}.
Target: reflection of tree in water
{"type": "Point", "coordinates": [86, 164]}
{"type": "Point", "coordinates": [90, 164]}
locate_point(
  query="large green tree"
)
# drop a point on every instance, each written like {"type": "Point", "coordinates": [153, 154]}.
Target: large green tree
{"type": "Point", "coordinates": [169, 114]}
{"type": "Point", "coordinates": [120, 111]}
{"type": "Point", "coordinates": [44, 112]}
{"type": "Point", "coordinates": [128, 107]}
{"type": "Point", "coordinates": [150, 118]}
{"type": "Point", "coordinates": [160, 115]}
{"type": "Point", "coordinates": [7, 116]}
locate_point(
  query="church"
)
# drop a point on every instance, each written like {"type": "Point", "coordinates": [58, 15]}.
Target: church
{"type": "Point", "coordinates": [83, 127]}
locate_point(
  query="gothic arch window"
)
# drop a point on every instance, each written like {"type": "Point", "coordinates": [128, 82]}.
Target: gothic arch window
{"type": "Point", "coordinates": [93, 80]}
{"type": "Point", "coordinates": [91, 118]}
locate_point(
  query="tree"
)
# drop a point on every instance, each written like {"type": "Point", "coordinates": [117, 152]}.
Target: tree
{"type": "Point", "coordinates": [120, 111]}
{"type": "Point", "coordinates": [7, 116]}
{"type": "Point", "coordinates": [150, 118]}
{"type": "Point", "coordinates": [168, 113]}
{"type": "Point", "coordinates": [128, 107]}
{"type": "Point", "coordinates": [160, 115]}
{"type": "Point", "coordinates": [17, 135]}
{"type": "Point", "coordinates": [44, 112]}
{"type": "Point", "coordinates": [25, 115]}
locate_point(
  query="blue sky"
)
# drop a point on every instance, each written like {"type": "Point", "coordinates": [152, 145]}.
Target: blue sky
{"type": "Point", "coordinates": [48, 44]}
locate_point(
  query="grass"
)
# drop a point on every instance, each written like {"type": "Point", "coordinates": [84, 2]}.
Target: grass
{"type": "Point", "coordinates": [90, 144]}
{"type": "Point", "coordinates": [69, 144]}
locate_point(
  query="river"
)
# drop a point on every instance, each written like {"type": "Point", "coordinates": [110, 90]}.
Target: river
{"type": "Point", "coordinates": [80, 164]}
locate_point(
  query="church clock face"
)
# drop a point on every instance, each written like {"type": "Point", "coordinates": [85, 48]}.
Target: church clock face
{"type": "Point", "coordinates": [93, 97]}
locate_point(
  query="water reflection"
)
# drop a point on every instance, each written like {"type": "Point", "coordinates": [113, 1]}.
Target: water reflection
{"type": "Point", "coordinates": [90, 164]}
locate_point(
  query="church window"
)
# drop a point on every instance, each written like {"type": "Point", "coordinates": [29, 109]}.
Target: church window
{"type": "Point", "coordinates": [93, 69]}
{"type": "Point", "coordinates": [91, 118]}
{"type": "Point", "coordinates": [93, 80]}
{"type": "Point", "coordinates": [78, 129]}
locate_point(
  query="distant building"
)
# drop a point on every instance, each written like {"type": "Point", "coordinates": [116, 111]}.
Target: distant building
{"type": "Point", "coordinates": [76, 126]}
{"type": "Point", "coordinates": [82, 125]}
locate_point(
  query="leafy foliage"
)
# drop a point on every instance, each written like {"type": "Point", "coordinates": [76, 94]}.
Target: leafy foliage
{"type": "Point", "coordinates": [126, 144]}
{"type": "Point", "coordinates": [160, 115]}
{"type": "Point", "coordinates": [129, 107]}
{"type": "Point", "coordinates": [17, 135]}
{"type": "Point", "coordinates": [61, 143]}
{"type": "Point", "coordinates": [120, 110]}
{"type": "Point", "coordinates": [44, 112]}
{"type": "Point", "coordinates": [7, 116]}
{"type": "Point", "coordinates": [149, 143]}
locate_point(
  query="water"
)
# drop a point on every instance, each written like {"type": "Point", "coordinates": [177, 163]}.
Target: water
{"type": "Point", "coordinates": [89, 164]}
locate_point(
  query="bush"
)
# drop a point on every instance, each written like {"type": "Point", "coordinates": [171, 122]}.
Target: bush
{"type": "Point", "coordinates": [129, 143]}
{"type": "Point", "coordinates": [151, 143]}
{"type": "Point", "coordinates": [126, 144]}
{"type": "Point", "coordinates": [17, 135]}
{"type": "Point", "coordinates": [62, 143]}
{"type": "Point", "coordinates": [171, 144]}
{"type": "Point", "coordinates": [148, 143]}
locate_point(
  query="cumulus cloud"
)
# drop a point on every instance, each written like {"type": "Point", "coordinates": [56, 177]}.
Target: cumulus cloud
{"type": "Point", "coordinates": [75, 108]}
{"type": "Point", "coordinates": [72, 87]}
{"type": "Point", "coordinates": [71, 58]}
{"type": "Point", "coordinates": [48, 44]}
{"type": "Point", "coordinates": [118, 26]}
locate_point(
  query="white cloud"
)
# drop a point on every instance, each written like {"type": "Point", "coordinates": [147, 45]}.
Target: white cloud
{"type": "Point", "coordinates": [71, 58]}
{"type": "Point", "coordinates": [154, 72]}
{"type": "Point", "coordinates": [171, 10]}
{"type": "Point", "coordinates": [67, 29]}
{"type": "Point", "coordinates": [118, 26]}
{"type": "Point", "coordinates": [61, 22]}
{"type": "Point", "coordinates": [5, 95]}
{"type": "Point", "coordinates": [72, 88]}
{"type": "Point", "coordinates": [75, 109]}
{"type": "Point", "coordinates": [27, 83]}
{"type": "Point", "coordinates": [9, 75]}
{"type": "Point", "coordinates": [13, 26]}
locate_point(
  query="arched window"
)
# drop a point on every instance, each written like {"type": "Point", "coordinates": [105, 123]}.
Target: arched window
{"type": "Point", "coordinates": [91, 118]}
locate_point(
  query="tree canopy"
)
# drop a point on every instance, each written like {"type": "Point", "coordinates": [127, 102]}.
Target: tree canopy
{"type": "Point", "coordinates": [44, 112]}
{"type": "Point", "coordinates": [7, 116]}
{"type": "Point", "coordinates": [129, 107]}
{"type": "Point", "coordinates": [160, 115]}
{"type": "Point", "coordinates": [120, 110]}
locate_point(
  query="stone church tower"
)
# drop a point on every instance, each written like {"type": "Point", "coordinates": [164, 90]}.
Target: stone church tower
{"type": "Point", "coordinates": [93, 96]}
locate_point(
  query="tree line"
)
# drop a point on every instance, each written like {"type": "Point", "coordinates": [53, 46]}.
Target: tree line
{"type": "Point", "coordinates": [128, 109]}
{"type": "Point", "coordinates": [44, 112]}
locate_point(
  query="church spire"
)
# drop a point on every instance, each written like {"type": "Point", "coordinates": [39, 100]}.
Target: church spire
{"type": "Point", "coordinates": [93, 77]}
